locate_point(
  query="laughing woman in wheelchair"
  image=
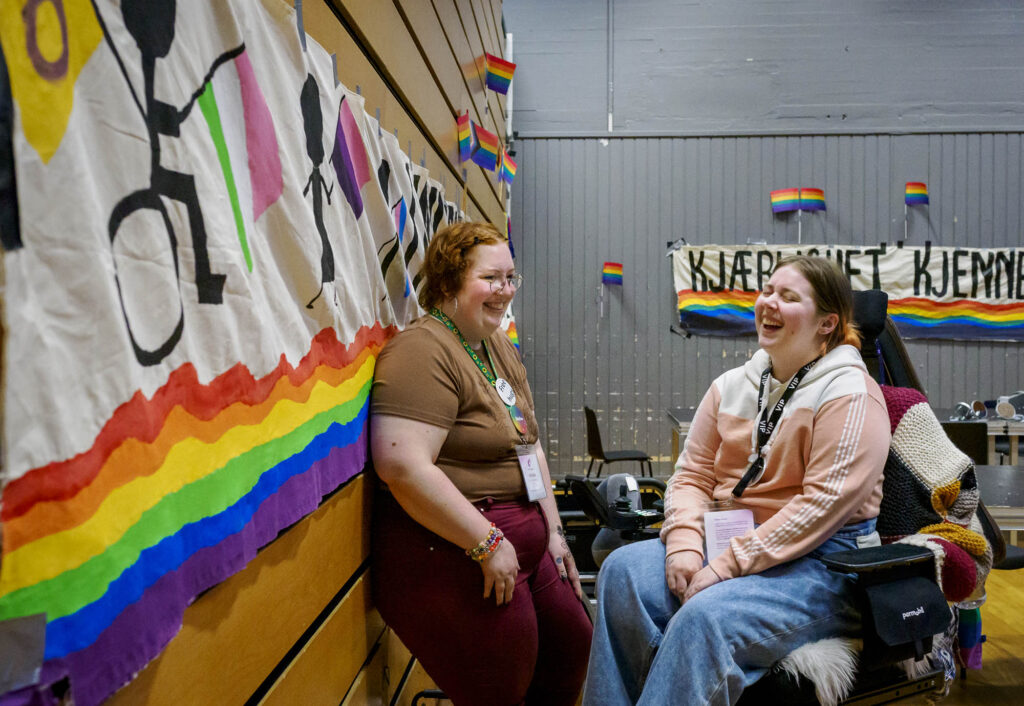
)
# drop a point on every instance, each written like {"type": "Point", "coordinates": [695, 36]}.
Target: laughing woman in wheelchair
{"type": "Point", "coordinates": [783, 464]}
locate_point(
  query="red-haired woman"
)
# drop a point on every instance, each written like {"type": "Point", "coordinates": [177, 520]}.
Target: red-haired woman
{"type": "Point", "coordinates": [470, 565]}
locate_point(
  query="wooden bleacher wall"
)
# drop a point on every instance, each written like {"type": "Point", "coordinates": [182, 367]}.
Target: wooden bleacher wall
{"type": "Point", "coordinates": [297, 625]}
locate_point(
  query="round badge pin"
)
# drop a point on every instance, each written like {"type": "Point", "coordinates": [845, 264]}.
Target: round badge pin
{"type": "Point", "coordinates": [505, 391]}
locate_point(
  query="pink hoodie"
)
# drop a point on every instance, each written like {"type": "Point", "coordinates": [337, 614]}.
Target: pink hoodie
{"type": "Point", "coordinates": [823, 470]}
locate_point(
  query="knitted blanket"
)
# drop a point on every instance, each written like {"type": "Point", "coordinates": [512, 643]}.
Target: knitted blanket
{"type": "Point", "coordinates": [930, 496]}
{"type": "Point", "coordinates": [929, 499]}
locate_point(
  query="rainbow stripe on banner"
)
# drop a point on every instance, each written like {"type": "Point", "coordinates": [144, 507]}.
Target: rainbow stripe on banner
{"type": "Point", "coordinates": [486, 153]}
{"type": "Point", "coordinates": [967, 294]}
{"type": "Point", "coordinates": [812, 200]}
{"type": "Point", "coordinates": [499, 73]}
{"type": "Point", "coordinates": [729, 312]}
{"type": "Point", "coordinates": [916, 193]}
{"type": "Point", "coordinates": [785, 200]}
{"type": "Point", "coordinates": [612, 273]}
{"type": "Point", "coordinates": [962, 319]}
{"type": "Point", "coordinates": [177, 492]}
{"type": "Point", "coordinates": [508, 169]}
{"type": "Point", "coordinates": [465, 127]}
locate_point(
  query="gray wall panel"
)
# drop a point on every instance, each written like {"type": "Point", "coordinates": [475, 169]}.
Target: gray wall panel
{"type": "Point", "coordinates": [757, 66]}
{"type": "Point", "coordinates": [580, 202]}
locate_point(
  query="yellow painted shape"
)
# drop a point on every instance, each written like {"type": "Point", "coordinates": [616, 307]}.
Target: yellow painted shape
{"type": "Point", "coordinates": [45, 102]}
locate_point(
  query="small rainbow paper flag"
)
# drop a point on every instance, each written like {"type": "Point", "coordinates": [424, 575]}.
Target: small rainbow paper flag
{"type": "Point", "coordinates": [812, 200]}
{"type": "Point", "coordinates": [465, 137]}
{"type": "Point", "coordinates": [508, 169]}
{"type": "Point", "coordinates": [785, 200]}
{"type": "Point", "coordinates": [486, 152]}
{"type": "Point", "coordinates": [917, 193]}
{"type": "Point", "coordinates": [512, 333]}
{"type": "Point", "coordinates": [499, 73]}
{"type": "Point", "coordinates": [612, 273]}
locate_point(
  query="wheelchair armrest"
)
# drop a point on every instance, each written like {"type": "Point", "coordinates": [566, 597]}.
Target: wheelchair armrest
{"type": "Point", "coordinates": [876, 559]}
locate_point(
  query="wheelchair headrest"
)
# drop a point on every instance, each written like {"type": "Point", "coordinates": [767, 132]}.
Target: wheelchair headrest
{"type": "Point", "coordinates": [869, 311]}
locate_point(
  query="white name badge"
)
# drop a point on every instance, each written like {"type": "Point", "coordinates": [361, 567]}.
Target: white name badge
{"type": "Point", "coordinates": [530, 466]}
{"type": "Point", "coordinates": [505, 391]}
{"type": "Point", "coordinates": [721, 526]}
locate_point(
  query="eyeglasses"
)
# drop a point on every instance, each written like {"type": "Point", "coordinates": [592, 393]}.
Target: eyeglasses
{"type": "Point", "coordinates": [498, 282]}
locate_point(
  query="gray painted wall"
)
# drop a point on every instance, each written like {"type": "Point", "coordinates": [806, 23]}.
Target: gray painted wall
{"type": "Point", "coordinates": [712, 67]}
{"type": "Point", "coordinates": [931, 91]}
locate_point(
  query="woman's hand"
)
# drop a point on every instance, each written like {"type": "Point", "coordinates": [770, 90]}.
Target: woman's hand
{"type": "Point", "coordinates": [701, 580]}
{"type": "Point", "coordinates": [566, 565]}
{"type": "Point", "coordinates": [680, 568]}
{"type": "Point", "coordinates": [500, 571]}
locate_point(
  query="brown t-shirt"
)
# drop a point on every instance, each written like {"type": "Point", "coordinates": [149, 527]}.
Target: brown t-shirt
{"type": "Point", "coordinates": [426, 375]}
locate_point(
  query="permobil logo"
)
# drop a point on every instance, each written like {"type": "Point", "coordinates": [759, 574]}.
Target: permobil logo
{"type": "Point", "coordinates": [912, 613]}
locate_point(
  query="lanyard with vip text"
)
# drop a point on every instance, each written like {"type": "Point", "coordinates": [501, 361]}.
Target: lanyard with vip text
{"type": "Point", "coordinates": [767, 422]}
{"type": "Point", "coordinates": [504, 389]}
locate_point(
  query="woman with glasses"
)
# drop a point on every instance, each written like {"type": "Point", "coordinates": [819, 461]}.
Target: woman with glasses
{"type": "Point", "coordinates": [470, 564]}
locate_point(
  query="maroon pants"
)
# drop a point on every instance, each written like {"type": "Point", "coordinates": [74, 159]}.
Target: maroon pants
{"type": "Point", "coordinates": [533, 650]}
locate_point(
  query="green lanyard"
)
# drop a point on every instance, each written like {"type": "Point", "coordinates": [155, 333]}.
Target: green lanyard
{"type": "Point", "coordinates": [518, 419]}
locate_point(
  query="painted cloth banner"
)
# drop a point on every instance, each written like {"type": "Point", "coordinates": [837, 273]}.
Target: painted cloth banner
{"type": "Point", "coordinates": [967, 294]}
{"type": "Point", "coordinates": [215, 243]}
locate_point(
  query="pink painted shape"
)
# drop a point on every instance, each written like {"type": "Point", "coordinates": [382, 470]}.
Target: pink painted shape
{"type": "Point", "coordinates": [356, 149]}
{"type": "Point", "coordinates": [260, 140]}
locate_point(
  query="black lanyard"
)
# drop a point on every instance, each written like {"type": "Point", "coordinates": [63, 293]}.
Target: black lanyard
{"type": "Point", "coordinates": [767, 422]}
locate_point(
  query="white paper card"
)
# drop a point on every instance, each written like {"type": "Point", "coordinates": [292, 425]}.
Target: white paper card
{"type": "Point", "coordinates": [720, 527]}
{"type": "Point", "coordinates": [530, 467]}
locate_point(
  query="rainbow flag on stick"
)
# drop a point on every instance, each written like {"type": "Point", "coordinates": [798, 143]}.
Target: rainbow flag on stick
{"type": "Point", "coordinates": [466, 136]}
{"type": "Point", "coordinates": [612, 273]}
{"type": "Point", "coordinates": [508, 169]}
{"type": "Point", "coordinates": [917, 193]}
{"type": "Point", "coordinates": [812, 200]}
{"type": "Point", "coordinates": [486, 152]}
{"type": "Point", "coordinates": [499, 73]}
{"type": "Point", "coordinates": [785, 200]}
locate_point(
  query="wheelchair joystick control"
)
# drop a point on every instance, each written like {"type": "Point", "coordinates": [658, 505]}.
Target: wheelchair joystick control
{"type": "Point", "coordinates": [622, 503]}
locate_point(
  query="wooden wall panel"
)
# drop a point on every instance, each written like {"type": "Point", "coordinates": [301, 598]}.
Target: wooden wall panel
{"type": "Point", "coordinates": [368, 687]}
{"type": "Point", "coordinates": [463, 10]}
{"type": "Point", "coordinates": [382, 30]}
{"type": "Point", "coordinates": [235, 634]}
{"type": "Point", "coordinates": [329, 662]}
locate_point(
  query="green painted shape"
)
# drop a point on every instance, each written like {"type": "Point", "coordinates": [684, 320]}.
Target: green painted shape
{"type": "Point", "coordinates": [208, 104]}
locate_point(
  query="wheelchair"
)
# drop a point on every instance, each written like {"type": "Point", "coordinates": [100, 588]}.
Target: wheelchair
{"type": "Point", "coordinates": [890, 577]}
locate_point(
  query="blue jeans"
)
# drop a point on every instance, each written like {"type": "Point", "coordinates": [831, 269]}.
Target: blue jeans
{"type": "Point", "coordinates": [649, 650]}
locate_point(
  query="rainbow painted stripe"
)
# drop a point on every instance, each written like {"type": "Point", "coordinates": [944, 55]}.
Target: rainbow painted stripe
{"type": "Point", "coordinates": [465, 128]}
{"type": "Point", "coordinates": [508, 169]}
{"type": "Point", "coordinates": [726, 312]}
{"type": "Point", "coordinates": [812, 200]}
{"type": "Point", "coordinates": [964, 318]}
{"type": "Point", "coordinates": [177, 493]}
{"type": "Point", "coordinates": [486, 153]}
{"type": "Point", "coordinates": [612, 273]}
{"type": "Point", "coordinates": [732, 313]}
{"type": "Point", "coordinates": [785, 200]}
{"type": "Point", "coordinates": [499, 73]}
{"type": "Point", "coordinates": [916, 193]}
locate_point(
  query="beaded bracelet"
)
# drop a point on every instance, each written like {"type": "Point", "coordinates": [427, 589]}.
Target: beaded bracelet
{"type": "Point", "coordinates": [488, 546]}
